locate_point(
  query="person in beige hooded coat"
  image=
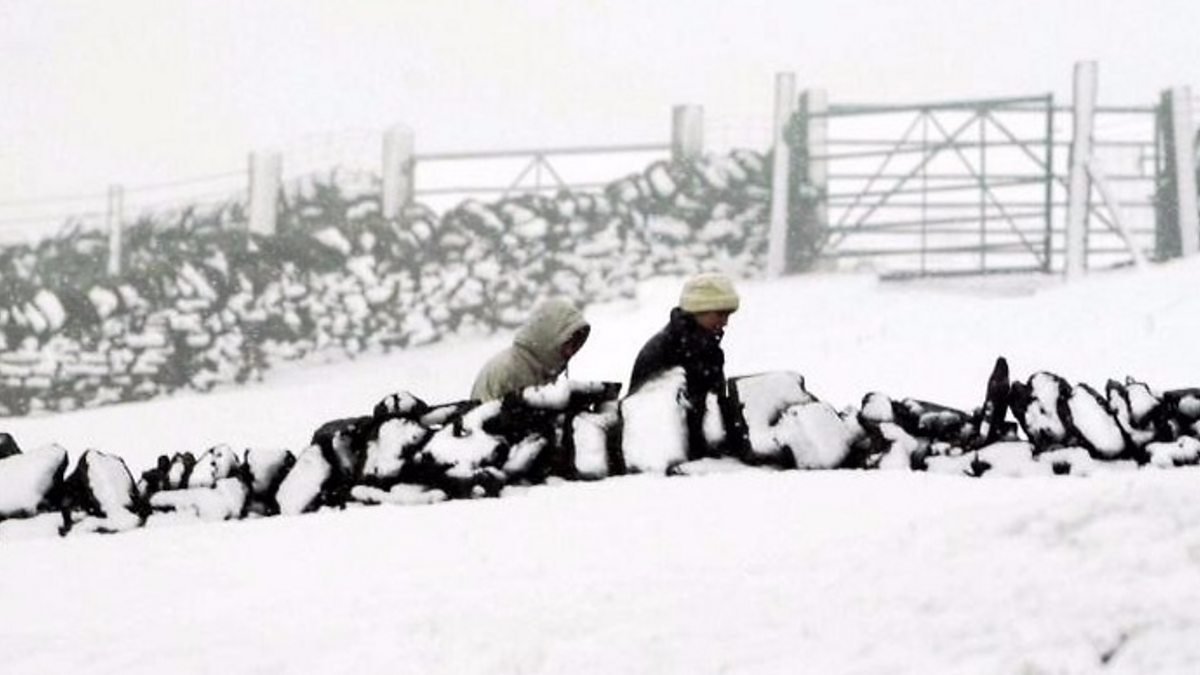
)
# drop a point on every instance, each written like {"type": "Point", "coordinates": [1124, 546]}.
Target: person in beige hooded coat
{"type": "Point", "coordinates": [539, 353]}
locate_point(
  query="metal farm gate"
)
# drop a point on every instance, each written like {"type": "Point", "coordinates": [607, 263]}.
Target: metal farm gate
{"type": "Point", "coordinates": [966, 187]}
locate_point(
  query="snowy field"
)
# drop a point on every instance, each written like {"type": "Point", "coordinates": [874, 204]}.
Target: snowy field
{"type": "Point", "coordinates": [753, 571]}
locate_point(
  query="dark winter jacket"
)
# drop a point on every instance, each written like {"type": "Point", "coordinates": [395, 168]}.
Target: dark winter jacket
{"type": "Point", "coordinates": [683, 342]}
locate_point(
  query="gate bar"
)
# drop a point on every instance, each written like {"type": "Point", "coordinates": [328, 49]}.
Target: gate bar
{"type": "Point", "coordinates": [1092, 211]}
{"type": "Point", "coordinates": [882, 167]}
{"type": "Point", "coordinates": [956, 187]}
{"type": "Point", "coordinates": [867, 109]}
{"type": "Point", "coordinates": [983, 186]}
{"type": "Point", "coordinates": [947, 220]}
{"type": "Point", "coordinates": [912, 172]}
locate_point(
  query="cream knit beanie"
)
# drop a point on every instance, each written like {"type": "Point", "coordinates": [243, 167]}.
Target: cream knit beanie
{"type": "Point", "coordinates": [708, 293]}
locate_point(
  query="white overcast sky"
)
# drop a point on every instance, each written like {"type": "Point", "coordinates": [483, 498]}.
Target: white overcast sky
{"type": "Point", "coordinates": [136, 91]}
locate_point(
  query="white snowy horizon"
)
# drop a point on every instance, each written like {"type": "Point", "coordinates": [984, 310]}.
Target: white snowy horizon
{"type": "Point", "coordinates": [750, 571]}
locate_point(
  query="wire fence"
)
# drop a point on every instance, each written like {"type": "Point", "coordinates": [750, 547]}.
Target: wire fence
{"type": "Point", "coordinates": [30, 220]}
{"type": "Point", "coordinates": [349, 158]}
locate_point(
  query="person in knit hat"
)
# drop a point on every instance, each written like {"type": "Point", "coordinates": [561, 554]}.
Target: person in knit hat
{"type": "Point", "coordinates": [692, 339]}
{"type": "Point", "coordinates": [540, 350]}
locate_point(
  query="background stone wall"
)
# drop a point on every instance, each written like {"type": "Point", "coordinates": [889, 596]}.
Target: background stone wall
{"type": "Point", "coordinates": [203, 303]}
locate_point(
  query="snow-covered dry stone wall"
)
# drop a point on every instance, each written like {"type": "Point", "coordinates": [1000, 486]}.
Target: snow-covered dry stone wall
{"type": "Point", "coordinates": [202, 303]}
{"type": "Point", "coordinates": [406, 451]}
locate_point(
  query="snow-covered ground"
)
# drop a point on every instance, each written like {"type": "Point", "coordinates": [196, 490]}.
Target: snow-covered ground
{"type": "Point", "coordinates": [750, 571]}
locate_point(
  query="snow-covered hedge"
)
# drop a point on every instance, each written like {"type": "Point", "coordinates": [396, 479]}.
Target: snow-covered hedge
{"type": "Point", "coordinates": [204, 303]}
{"type": "Point", "coordinates": [406, 451]}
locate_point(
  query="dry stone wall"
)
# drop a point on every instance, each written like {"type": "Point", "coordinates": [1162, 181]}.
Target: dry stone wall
{"type": "Point", "coordinates": [405, 451]}
{"type": "Point", "coordinates": [203, 303]}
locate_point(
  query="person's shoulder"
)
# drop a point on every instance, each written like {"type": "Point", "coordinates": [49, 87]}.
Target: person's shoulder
{"type": "Point", "coordinates": [493, 370]}
{"type": "Point", "coordinates": [502, 361]}
{"type": "Point", "coordinates": [657, 340]}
